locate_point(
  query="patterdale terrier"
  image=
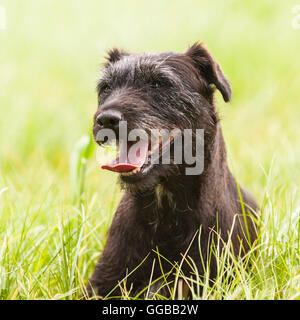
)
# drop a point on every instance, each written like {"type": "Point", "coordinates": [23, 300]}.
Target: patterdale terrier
{"type": "Point", "coordinates": [167, 211]}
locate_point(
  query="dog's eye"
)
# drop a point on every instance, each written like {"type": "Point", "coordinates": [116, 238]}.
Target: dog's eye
{"type": "Point", "coordinates": [103, 88]}
{"type": "Point", "coordinates": [156, 84]}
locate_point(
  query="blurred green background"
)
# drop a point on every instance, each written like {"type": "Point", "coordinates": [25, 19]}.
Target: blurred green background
{"type": "Point", "coordinates": [50, 59]}
{"type": "Point", "coordinates": [51, 54]}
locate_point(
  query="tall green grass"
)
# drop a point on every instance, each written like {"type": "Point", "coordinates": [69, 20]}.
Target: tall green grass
{"type": "Point", "coordinates": [56, 204]}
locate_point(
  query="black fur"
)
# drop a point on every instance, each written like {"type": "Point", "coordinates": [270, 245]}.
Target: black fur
{"type": "Point", "coordinates": [164, 208]}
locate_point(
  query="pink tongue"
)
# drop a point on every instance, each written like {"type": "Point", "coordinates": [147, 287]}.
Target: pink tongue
{"type": "Point", "coordinates": [127, 161]}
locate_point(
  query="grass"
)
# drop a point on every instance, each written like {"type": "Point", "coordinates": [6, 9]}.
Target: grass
{"type": "Point", "coordinates": [55, 203]}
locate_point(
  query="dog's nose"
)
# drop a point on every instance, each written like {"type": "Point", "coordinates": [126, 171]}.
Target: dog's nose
{"type": "Point", "coordinates": [109, 119]}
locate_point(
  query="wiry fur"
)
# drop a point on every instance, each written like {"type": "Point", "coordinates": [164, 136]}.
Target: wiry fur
{"type": "Point", "coordinates": [164, 208]}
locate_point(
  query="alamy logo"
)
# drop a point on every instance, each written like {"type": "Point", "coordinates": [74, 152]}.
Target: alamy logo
{"type": "Point", "coordinates": [138, 150]}
{"type": "Point", "coordinates": [2, 17]}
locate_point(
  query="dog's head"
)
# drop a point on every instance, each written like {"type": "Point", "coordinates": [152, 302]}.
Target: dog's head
{"type": "Point", "coordinates": [151, 92]}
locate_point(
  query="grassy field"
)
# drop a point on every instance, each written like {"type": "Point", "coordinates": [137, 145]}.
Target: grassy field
{"type": "Point", "coordinates": [56, 204]}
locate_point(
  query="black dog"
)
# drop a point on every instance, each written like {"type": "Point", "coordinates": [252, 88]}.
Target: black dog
{"type": "Point", "coordinates": [163, 207]}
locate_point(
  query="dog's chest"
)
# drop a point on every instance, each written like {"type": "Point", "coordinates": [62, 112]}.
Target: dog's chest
{"type": "Point", "coordinates": [164, 197]}
{"type": "Point", "coordinates": [169, 230]}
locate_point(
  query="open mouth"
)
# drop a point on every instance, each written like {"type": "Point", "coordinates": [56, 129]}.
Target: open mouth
{"type": "Point", "coordinates": [139, 157]}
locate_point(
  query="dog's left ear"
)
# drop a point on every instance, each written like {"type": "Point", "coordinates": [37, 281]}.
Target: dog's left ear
{"type": "Point", "coordinates": [114, 54]}
{"type": "Point", "coordinates": [209, 69]}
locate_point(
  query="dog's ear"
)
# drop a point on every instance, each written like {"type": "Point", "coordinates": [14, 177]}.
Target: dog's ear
{"type": "Point", "coordinates": [209, 69]}
{"type": "Point", "coordinates": [114, 54]}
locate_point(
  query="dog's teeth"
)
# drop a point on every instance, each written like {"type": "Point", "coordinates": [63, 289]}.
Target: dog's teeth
{"type": "Point", "coordinates": [129, 173]}
{"type": "Point", "coordinates": [136, 170]}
